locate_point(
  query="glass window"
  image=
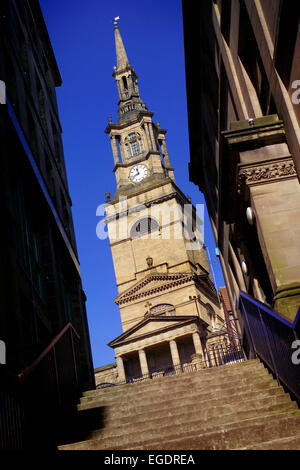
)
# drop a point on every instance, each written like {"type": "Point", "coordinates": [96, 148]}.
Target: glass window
{"type": "Point", "coordinates": [163, 309]}
{"type": "Point", "coordinates": [128, 154]}
{"type": "Point", "coordinates": [134, 148]}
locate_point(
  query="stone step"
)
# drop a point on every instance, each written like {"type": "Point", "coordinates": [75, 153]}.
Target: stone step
{"type": "Point", "coordinates": [178, 387]}
{"type": "Point", "coordinates": [113, 420]}
{"type": "Point", "coordinates": [197, 435]}
{"type": "Point", "coordinates": [214, 416]}
{"type": "Point", "coordinates": [239, 406]}
{"type": "Point", "coordinates": [253, 432]}
{"type": "Point", "coordinates": [156, 385]}
{"type": "Point", "coordinates": [284, 443]}
{"type": "Point", "coordinates": [249, 367]}
{"type": "Point", "coordinates": [211, 392]}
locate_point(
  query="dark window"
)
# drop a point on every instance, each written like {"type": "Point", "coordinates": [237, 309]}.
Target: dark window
{"type": "Point", "coordinates": [250, 56]}
{"type": "Point", "coordinates": [41, 102]}
{"type": "Point", "coordinates": [225, 19]}
{"type": "Point", "coordinates": [10, 82]}
{"type": "Point", "coordinates": [125, 83]}
{"type": "Point", "coordinates": [27, 240]}
{"type": "Point", "coordinates": [288, 29]}
{"type": "Point", "coordinates": [144, 226]}
{"type": "Point", "coordinates": [31, 134]}
{"type": "Point", "coordinates": [66, 298]}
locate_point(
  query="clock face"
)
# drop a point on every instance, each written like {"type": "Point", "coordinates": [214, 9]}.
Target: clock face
{"type": "Point", "coordinates": [138, 173]}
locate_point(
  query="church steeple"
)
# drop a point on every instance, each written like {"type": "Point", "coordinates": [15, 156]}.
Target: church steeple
{"type": "Point", "coordinates": [138, 145]}
{"type": "Point", "coordinates": [122, 59]}
{"type": "Point", "coordinates": [164, 288]}
{"type": "Point", "coordinates": [130, 102]}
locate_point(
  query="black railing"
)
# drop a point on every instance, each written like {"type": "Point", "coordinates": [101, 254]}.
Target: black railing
{"type": "Point", "coordinates": [274, 340]}
{"type": "Point", "coordinates": [217, 354]}
{"type": "Point", "coordinates": [37, 407]}
{"type": "Point", "coordinates": [51, 389]}
{"type": "Point", "coordinates": [12, 422]}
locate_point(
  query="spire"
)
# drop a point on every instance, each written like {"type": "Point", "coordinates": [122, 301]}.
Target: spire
{"type": "Point", "coordinates": [130, 102]}
{"type": "Point", "coordinates": [122, 59]}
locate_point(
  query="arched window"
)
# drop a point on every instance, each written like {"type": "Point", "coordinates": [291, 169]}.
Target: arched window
{"type": "Point", "coordinates": [163, 310]}
{"type": "Point", "coordinates": [144, 226]}
{"type": "Point", "coordinates": [125, 83]}
{"type": "Point", "coordinates": [134, 145]}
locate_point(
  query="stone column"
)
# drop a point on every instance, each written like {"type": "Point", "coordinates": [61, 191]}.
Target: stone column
{"type": "Point", "coordinates": [198, 359]}
{"type": "Point", "coordinates": [115, 149]}
{"type": "Point", "coordinates": [165, 154]}
{"type": "Point", "coordinates": [148, 136]}
{"type": "Point", "coordinates": [197, 344]}
{"type": "Point", "coordinates": [143, 362]}
{"type": "Point", "coordinates": [120, 369]}
{"type": "Point", "coordinates": [174, 352]}
{"type": "Point", "coordinates": [154, 146]}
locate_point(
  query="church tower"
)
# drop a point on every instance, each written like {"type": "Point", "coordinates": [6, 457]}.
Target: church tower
{"type": "Point", "coordinates": [167, 301]}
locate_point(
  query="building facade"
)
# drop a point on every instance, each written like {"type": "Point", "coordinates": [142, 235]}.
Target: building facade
{"type": "Point", "coordinates": [40, 281]}
{"type": "Point", "coordinates": [242, 76]}
{"type": "Point", "coordinates": [168, 303]}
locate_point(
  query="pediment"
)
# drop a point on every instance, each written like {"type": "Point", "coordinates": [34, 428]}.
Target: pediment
{"type": "Point", "coordinates": [153, 324]}
{"type": "Point", "coordinates": [153, 283]}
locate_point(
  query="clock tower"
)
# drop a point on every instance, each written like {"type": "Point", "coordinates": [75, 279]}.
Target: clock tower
{"type": "Point", "coordinates": [168, 303]}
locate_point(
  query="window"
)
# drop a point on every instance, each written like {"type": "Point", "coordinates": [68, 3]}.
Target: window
{"type": "Point", "coordinates": [143, 227]}
{"type": "Point", "coordinates": [132, 136]}
{"type": "Point", "coordinates": [225, 19]}
{"type": "Point", "coordinates": [128, 153]}
{"type": "Point", "coordinates": [163, 309]}
{"type": "Point", "coordinates": [250, 57]}
{"type": "Point", "coordinates": [134, 148]}
{"type": "Point", "coordinates": [41, 102]}
{"type": "Point", "coordinates": [133, 145]}
{"type": "Point", "coordinates": [125, 83]}
{"type": "Point", "coordinates": [27, 240]}
{"type": "Point", "coordinates": [287, 35]}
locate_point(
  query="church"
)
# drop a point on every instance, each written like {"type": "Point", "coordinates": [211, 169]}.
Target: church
{"type": "Point", "coordinates": [168, 304]}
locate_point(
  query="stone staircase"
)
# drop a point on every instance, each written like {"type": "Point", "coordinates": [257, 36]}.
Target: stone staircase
{"type": "Point", "coordinates": [237, 406]}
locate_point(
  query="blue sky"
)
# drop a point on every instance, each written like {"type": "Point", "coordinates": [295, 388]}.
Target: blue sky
{"type": "Point", "coordinates": [82, 37]}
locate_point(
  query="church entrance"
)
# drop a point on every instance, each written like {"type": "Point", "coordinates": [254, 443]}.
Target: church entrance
{"type": "Point", "coordinates": [159, 358]}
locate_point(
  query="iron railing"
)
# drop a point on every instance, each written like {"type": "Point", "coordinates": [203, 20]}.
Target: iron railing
{"type": "Point", "coordinates": [218, 354]}
{"type": "Point", "coordinates": [272, 339]}
{"type": "Point", "coordinates": [37, 408]}
{"type": "Point", "coordinates": [51, 389]}
{"type": "Point", "coordinates": [12, 420]}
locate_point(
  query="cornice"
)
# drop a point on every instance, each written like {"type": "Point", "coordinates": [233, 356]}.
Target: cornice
{"type": "Point", "coordinates": [119, 126]}
{"type": "Point", "coordinates": [174, 281]}
{"type": "Point", "coordinates": [266, 172]}
{"type": "Point", "coordinates": [175, 322]}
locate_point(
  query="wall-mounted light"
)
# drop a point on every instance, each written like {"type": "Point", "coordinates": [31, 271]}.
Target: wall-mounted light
{"type": "Point", "coordinates": [244, 267]}
{"type": "Point", "coordinates": [250, 215]}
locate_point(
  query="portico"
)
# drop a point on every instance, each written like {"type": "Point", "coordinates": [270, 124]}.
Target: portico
{"type": "Point", "coordinates": [158, 345]}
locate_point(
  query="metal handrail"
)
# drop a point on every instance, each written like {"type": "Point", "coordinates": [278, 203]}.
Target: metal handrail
{"type": "Point", "coordinates": [27, 371]}
{"type": "Point", "coordinates": [216, 355]}
{"type": "Point", "coordinates": [271, 337]}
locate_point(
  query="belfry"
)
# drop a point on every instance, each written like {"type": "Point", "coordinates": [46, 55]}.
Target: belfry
{"type": "Point", "coordinates": [168, 303]}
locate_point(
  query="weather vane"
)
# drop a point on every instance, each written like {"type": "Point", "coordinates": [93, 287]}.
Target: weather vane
{"type": "Point", "coordinates": [115, 19]}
